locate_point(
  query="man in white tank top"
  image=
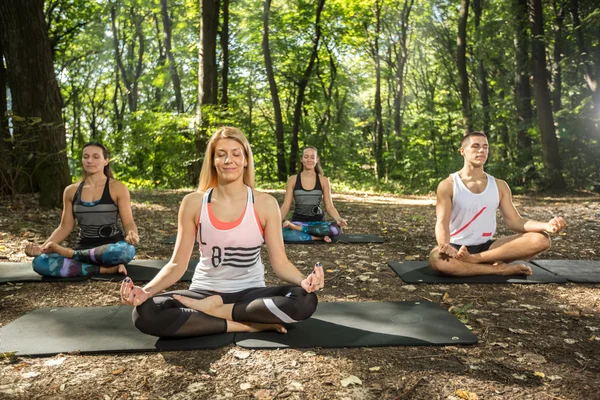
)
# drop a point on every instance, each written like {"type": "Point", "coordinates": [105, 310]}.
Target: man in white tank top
{"type": "Point", "coordinates": [466, 221]}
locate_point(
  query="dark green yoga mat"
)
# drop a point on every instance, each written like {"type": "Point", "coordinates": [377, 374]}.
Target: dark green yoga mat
{"type": "Point", "coordinates": [579, 271]}
{"type": "Point", "coordinates": [335, 325]}
{"type": "Point", "coordinates": [23, 272]}
{"type": "Point", "coordinates": [343, 238]}
{"type": "Point", "coordinates": [421, 272]}
{"type": "Point", "coordinates": [49, 331]}
{"type": "Point", "coordinates": [145, 270]}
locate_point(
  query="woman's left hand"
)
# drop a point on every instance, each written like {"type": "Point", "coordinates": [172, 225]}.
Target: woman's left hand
{"type": "Point", "coordinates": [341, 222]}
{"type": "Point", "coordinates": [315, 281]}
{"type": "Point", "coordinates": [132, 238]}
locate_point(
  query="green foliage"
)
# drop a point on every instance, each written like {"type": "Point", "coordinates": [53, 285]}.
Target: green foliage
{"type": "Point", "coordinates": [156, 147]}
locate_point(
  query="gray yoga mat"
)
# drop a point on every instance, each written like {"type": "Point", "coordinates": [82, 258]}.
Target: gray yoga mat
{"type": "Point", "coordinates": [145, 270]}
{"type": "Point", "coordinates": [348, 324]}
{"type": "Point", "coordinates": [137, 270]}
{"type": "Point", "coordinates": [421, 272]}
{"type": "Point", "coordinates": [579, 271]}
{"type": "Point", "coordinates": [343, 238]}
{"type": "Point", "coordinates": [23, 272]}
{"type": "Point", "coordinates": [49, 331]}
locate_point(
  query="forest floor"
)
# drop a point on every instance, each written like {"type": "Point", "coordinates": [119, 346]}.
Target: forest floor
{"type": "Point", "coordinates": [535, 341]}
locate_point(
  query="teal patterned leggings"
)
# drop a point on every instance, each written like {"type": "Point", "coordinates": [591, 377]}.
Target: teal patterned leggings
{"type": "Point", "coordinates": [84, 262]}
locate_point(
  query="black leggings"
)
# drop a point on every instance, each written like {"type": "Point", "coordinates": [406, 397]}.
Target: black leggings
{"type": "Point", "coordinates": [164, 316]}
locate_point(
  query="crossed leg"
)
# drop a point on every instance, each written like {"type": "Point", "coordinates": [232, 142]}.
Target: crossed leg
{"type": "Point", "coordinates": [493, 261]}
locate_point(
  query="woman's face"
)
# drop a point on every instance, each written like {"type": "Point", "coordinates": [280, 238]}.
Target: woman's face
{"type": "Point", "coordinates": [229, 159]}
{"type": "Point", "coordinates": [93, 160]}
{"type": "Point", "coordinates": [309, 158]}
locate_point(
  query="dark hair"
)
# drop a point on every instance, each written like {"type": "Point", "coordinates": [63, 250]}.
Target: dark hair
{"type": "Point", "coordinates": [318, 168]}
{"type": "Point", "coordinates": [471, 134]}
{"type": "Point", "coordinates": [105, 153]}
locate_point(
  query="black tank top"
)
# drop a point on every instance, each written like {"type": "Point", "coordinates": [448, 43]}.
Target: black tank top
{"type": "Point", "coordinates": [308, 202]}
{"type": "Point", "coordinates": [97, 220]}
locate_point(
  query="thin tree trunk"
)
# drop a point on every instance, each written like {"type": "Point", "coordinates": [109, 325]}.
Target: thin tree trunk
{"type": "Point", "coordinates": [401, 61]}
{"type": "Point", "coordinates": [522, 86]}
{"type": "Point", "coordinates": [167, 28]}
{"type": "Point", "coordinates": [210, 25]}
{"type": "Point", "coordinates": [281, 171]}
{"type": "Point", "coordinates": [162, 59]}
{"type": "Point", "coordinates": [225, 54]}
{"type": "Point", "coordinates": [302, 84]}
{"type": "Point", "coordinates": [378, 108]}
{"type": "Point", "coordinates": [35, 95]}
{"type": "Point", "coordinates": [592, 79]}
{"type": "Point", "coordinates": [481, 72]}
{"type": "Point", "coordinates": [559, 12]}
{"type": "Point", "coordinates": [550, 153]}
{"type": "Point", "coordinates": [5, 143]}
{"type": "Point", "coordinates": [461, 62]}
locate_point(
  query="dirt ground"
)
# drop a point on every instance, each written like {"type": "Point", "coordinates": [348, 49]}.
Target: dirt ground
{"type": "Point", "coordinates": [535, 341]}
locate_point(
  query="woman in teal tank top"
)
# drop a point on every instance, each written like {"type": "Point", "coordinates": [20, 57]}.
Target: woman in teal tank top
{"type": "Point", "coordinates": [96, 203]}
{"type": "Point", "coordinates": [308, 221]}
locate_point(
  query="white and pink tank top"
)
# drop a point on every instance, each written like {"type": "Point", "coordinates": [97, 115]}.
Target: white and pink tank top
{"type": "Point", "coordinates": [473, 219]}
{"type": "Point", "coordinates": [229, 251]}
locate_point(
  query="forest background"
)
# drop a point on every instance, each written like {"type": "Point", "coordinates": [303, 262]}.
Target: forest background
{"type": "Point", "coordinates": [384, 89]}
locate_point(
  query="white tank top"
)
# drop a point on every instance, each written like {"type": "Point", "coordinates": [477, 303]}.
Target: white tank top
{"type": "Point", "coordinates": [473, 219]}
{"type": "Point", "coordinates": [229, 251]}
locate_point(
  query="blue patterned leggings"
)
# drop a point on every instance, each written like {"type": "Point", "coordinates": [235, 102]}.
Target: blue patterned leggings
{"type": "Point", "coordinates": [310, 229]}
{"type": "Point", "coordinates": [84, 262]}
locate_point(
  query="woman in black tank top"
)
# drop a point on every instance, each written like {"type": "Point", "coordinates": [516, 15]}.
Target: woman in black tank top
{"type": "Point", "coordinates": [308, 219]}
{"type": "Point", "coordinates": [101, 246]}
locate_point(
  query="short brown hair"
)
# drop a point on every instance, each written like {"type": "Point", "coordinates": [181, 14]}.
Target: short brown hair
{"type": "Point", "coordinates": [469, 135]}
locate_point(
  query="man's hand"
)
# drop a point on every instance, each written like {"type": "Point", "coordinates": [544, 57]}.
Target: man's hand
{"type": "Point", "coordinates": [556, 225]}
{"type": "Point", "coordinates": [446, 251]}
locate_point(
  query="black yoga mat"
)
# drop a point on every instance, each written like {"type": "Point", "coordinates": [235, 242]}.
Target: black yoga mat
{"type": "Point", "coordinates": [421, 272]}
{"type": "Point", "coordinates": [23, 272]}
{"type": "Point", "coordinates": [343, 238]}
{"type": "Point", "coordinates": [407, 323]}
{"type": "Point", "coordinates": [49, 331]}
{"type": "Point", "coordinates": [579, 271]}
{"type": "Point", "coordinates": [145, 270]}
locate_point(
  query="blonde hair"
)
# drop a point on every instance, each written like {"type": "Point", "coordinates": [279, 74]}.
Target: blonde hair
{"type": "Point", "coordinates": [208, 174]}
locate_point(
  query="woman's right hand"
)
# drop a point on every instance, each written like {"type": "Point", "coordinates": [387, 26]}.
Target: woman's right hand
{"type": "Point", "coordinates": [32, 250]}
{"type": "Point", "coordinates": [133, 295]}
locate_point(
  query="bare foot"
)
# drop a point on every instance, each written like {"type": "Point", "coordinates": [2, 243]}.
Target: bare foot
{"type": "Point", "coordinates": [33, 250]}
{"type": "Point", "coordinates": [327, 239]}
{"type": "Point", "coordinates": [514, 269]}
{"type": "Point", "coordinates": [115, 269]}
{"type": "Point", "coordinates": [464, 255]}
{"type": "Point", "coordinates": [211, 305]}
{"type": "Point", "coordinates": [256, 327]}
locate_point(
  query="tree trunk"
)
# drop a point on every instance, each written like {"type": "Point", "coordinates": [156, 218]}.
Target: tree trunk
{"type": "Point", "coordinates": [559, 12]}
{"type": "Point", "coordinates": [378, 108]}
{"type": "Point", "coordinates": [592, 79]}
{"type": "Point", "coordinates": [550, 153]}
{"type": "Point", "coordinates": [225, 54]}
{"type": "Point", "coordinates": [35, 95]}
{"type": "Point", "coordinates": [461, 63]}
{"type": "Point", "coordinates": [481, 72]}
{"type": "Point", "coordinates": [167, 28]}
{"type": "Point", "coordinates": [210, 76]}
{"type": "Point", "coordinates": [162, 60]}
{"type": "Point", "coordinates": [5, 143]}
{"type": "Point", "coordinates": [401, 61]}
{"type": "Point", "coordinates": [522, 86]}
{"type": "Point", "coordinates": [302, 84]}
{"type": "Point", "coordinates": [281, 171]}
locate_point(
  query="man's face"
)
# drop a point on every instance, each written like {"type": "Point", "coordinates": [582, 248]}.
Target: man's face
{"type": "Point", "coordinates": [475, 150]}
